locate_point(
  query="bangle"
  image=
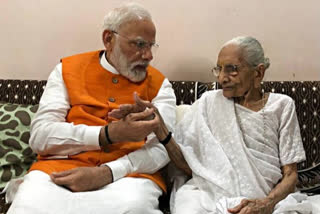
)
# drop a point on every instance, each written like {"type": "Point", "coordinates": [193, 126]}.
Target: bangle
{"type": "Point", "coordinates": [166, 140]}
{"type": "Point", "coordinates": [107, 134]}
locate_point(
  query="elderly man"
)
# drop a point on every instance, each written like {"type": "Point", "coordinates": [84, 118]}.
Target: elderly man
{"type": "Point", "coordinates": [89, 162]}
{"type": "Point", "coordinates": [240, 145]}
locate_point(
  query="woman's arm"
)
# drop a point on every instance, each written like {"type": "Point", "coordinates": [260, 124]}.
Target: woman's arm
{"type": "Point", "coordinates": [172, 148]}
{"type": "Point", "coordinates": [287, 184]}
{"type": "Point", "coordinates": [279, 192]}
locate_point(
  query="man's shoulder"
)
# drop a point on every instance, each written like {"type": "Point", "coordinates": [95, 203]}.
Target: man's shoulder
{"type": "Point", "coordinates": [82, 56]}
{"type": "Point", "coordinates": [153, 71]}
{"type": "Point", "coordinates": [154, 75]}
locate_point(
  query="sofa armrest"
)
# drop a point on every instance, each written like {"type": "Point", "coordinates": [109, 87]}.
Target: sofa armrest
{"type": "Point", "coordinates": [3, 206]}
{"type": "Point", "coordinates": [309, 180]}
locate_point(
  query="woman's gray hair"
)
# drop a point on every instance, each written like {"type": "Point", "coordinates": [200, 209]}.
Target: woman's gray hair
{"type": "Point", "coordinates": [252, 50]}
{"type": "Point", "coordinates": [125, 13]}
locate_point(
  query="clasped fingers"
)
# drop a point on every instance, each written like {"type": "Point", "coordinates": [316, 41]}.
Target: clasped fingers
{"type": "Point", "coordinates": [147, 114]}
{"type": "Point", "coordinates": [125, 109]}
{"type": "Point", "coordinates": [137, 126]}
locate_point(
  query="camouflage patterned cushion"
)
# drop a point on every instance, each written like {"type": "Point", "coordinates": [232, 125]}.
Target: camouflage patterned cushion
{"type": "Point", "coordinates": [15, 154]}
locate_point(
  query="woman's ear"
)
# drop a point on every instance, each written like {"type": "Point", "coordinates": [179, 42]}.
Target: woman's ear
{"type": "Point", "coordinates": [260, 69]}
{"type": "Point", "coordinates": [259, 74]}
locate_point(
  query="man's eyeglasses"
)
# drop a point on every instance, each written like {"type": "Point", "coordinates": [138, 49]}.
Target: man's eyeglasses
{"type": "Point", "coordinates": [140, 44]}
{"type": "Point", "coordinates": [232, 70]}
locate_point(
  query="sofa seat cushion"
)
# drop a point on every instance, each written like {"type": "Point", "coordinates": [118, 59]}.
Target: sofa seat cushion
{"type": "Point", "coordinates": [16, 155]}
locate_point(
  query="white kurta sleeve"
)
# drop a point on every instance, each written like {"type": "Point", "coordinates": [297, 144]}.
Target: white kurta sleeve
{"type": "Point", "coordinates": [290, 144]}
{"type": "Point", "coordinates": [153, 155]}
{"type": "Point", "coordinates": [50, 133]}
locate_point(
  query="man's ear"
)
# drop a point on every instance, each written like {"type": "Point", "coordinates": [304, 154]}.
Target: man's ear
{"type": "Point", "coordinates": [107, 38]}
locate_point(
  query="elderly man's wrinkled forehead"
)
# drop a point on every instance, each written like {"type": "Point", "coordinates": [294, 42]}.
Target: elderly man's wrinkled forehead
{"type": "Point", "coordinates": [139, 27]}
{"type": "Point", "coordinates": [230, 53]}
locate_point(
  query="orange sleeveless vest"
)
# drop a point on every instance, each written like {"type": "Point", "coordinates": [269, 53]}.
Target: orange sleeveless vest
{"type": "Point", "coordinates": [93, 92]}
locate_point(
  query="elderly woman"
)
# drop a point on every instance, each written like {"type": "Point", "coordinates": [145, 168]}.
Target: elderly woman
{"type": "Point", "coordinates": [241, 144]}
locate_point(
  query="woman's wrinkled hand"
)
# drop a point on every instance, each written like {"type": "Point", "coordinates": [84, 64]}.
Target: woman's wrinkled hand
{"type": "Point", "coordinates": [254, 206]}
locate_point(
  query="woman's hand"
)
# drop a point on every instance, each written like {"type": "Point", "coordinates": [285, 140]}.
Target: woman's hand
{"type": "Point", "coordinates": [254, 206]}
{"type": "Point", "coordinates": [278, 193]}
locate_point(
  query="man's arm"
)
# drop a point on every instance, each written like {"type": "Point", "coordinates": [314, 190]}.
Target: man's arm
{"type": "Point", "coordinates": [161, 133]}
{"type": "Point", "coordinates": [152, 156]}
{"type": "Point", "coordinates": [92, 178]}
{"type": "Point", "coordinates": [83, 178]}
{"type": "Point", "coordinates": [281, 191]}
{"type": "Point", "coordinates": [50, 133]}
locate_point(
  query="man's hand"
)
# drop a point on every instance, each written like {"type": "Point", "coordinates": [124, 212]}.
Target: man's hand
{"type": "Point", "coordinates": [141, 106]}
{"type": "Point", "coordinates": [253, 206]}
{"type": "Point", "coordinates": [125, 109]}
{"type": "Point", "coordinates": [161, 131]}
{"type": "Point", "coordinates": [133, 127]}
{"type": "Point", "coordinates": [83, 179]}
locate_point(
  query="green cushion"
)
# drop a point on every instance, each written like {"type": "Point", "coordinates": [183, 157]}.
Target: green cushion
{"type": "Point", "coordinates": [16, 155]}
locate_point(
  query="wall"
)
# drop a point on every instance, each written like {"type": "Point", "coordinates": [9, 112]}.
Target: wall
{"type": "Point", "coordinates": [35, 34]}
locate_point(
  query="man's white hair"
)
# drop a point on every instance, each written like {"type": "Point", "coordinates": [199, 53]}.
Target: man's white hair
{"type": "Point", "coordinates": [251, 49]}
{"type": "Point", "coordinates": [123, 14]}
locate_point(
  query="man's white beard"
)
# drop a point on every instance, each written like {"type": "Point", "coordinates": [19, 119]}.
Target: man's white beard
{"type": "Point", "coordinates": [130, 71]}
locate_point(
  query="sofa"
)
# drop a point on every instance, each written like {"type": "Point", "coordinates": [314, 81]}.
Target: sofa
{"type": "Point", "coordinates": [19, 100]}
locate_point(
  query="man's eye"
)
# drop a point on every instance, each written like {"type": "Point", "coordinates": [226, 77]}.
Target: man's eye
{"type": "Point", "coordinates": [140, 44]}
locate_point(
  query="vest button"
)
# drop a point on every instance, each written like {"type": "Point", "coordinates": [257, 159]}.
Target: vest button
{"type": "Point", "coordinates": [115, 80]}
{"type": "Point", "coordinates": [111, 99]}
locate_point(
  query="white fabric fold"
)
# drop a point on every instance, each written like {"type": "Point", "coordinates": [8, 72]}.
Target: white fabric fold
{"type": "Point", "coordinates": [229, 163]}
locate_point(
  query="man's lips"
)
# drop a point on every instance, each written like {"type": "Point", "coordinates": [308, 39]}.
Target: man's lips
{"type": "Point", "coordinates": [141, 67]}
{"type": "Point", "coordinates": [227, 88]}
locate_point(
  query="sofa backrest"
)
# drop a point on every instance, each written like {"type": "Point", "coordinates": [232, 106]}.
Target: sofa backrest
{"type": "Point", "coordinates": [305, 94]}
{"type": "Point", "coordinates": [21, 91]}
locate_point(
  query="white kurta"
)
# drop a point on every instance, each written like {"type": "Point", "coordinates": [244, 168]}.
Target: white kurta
{"type": "Point", "coordinates": [51, 134]}
{"type": "Point", "coordinates": [230, 162]}
{"type": "Point", "coordinates": [39, 195]}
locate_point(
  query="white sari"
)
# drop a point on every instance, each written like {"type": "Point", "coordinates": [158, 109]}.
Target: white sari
{"type": "Point", "coordinates": [230, 162]}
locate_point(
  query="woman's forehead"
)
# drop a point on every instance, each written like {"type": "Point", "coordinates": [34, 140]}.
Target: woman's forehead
{"type": "Point", "coordinates": [230, 54]}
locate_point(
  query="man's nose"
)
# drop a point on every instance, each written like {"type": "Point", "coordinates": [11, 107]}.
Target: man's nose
{"type": "Point", "coordinates": [147, 54]}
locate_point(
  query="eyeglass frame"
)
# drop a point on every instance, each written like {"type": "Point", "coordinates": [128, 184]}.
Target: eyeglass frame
{"type": "Point", "coordinates": [139, 44]}
{"type": "Point", "coordinates": [234, 72]}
